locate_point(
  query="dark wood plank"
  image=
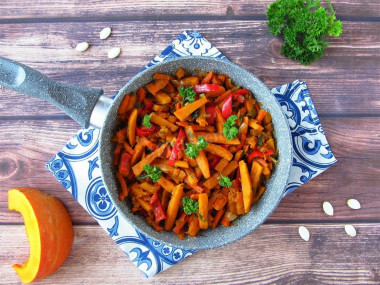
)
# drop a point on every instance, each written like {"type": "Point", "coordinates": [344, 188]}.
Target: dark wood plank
{"type": "Point", "coordinates": [25, 146]}
{"type": "Point", "coordinates": [274, 254]}
{"type": "Point", "coordinates": [164, 9]}
{"type": "Point", "coordinates": [342, 82]}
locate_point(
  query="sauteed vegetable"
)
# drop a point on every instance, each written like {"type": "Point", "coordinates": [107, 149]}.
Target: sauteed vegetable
{"type": "Point", "coordinates": [192, 151]}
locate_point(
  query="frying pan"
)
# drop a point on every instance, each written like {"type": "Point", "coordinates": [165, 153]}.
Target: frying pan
{"type": "Point", "coordinates": [88, 106]}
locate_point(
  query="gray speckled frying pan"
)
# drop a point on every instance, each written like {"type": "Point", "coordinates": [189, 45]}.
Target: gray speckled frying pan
{"type": "Point", "coordinates": [88, 106]}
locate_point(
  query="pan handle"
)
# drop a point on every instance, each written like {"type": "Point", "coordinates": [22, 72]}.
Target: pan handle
{"type": "Point", "coordinates": [76, 101]}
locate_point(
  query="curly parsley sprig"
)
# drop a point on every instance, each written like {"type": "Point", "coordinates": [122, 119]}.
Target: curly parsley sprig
{"type": "Point", "coordinates": [152, 172]}
{"type": "Point", "coordinates": [146, 121]}
{"type": "Point", "coordinates": [187, 94]}
{"type": "Point", "coordinates": [225, 181]}
{"type": "Point", "coordinates": [192, 149]}
{"type": "Point", "coordinates": [229, 129]}
{"type": "Point", "coordinates": [190, 206]}
{"type": "Point", "coordinates": [304, 24]}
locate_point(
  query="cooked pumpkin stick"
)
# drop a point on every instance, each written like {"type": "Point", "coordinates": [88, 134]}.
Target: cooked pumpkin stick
{"type": "Point", "coordinates": [203, 211]}
{"type": "Point", "coordinates": [217, 218]}
{"type": "Point", "coordinates": [149, 187]}
{"type": "Point", "coordinates": [201, 158]}
{"type": "Point", "coordinates": [255, 125]}
{"type": "Point", "coordinates": [193, 226]}
{"type": "Point", "coordinates": [139, 167]}
{"type": "Point", "coordinates": [162, 122]}
{"type": "Point", "coordinates": [213, 180]}
{"type": "Point", "coordinates": [186, 111]}
{"type": "Point", "coordinates": [217, 138]}
{"type": "Point", "coordinates": [220, 151]}
{"type": "Point", "coordinates": [174, 203]}
{"type": "Point", "coordinates": [256, 171]}
{"type": "Point", "coordinates": [221, 165]}
{"type": "Point", "coordinates": [132, 127]}
{"type": "Point", "coordinates": [139, 149]}
{"type": "Point", "coordinates": [156, 86]}
{"type": "Point", "coordinates": [246, 186]}
{"type": "Point", "coordinates": [124, 104]}
{"type": "Point", "coordinates": [166, 184]}
{"type": "Point", "coordinates": [123, 185]}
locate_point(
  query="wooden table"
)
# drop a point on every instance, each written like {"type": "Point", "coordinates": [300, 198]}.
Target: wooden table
{"type": "Point", "coordinates": [345, 88]}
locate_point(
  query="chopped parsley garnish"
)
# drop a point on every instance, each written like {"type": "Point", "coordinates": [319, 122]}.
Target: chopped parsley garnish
{"type": "Point", "coordinates": [146, 121]}
{"type": "Point", "coordinates": [192, 149]}
{"type": "Point", "coordinates": [153, 172]}
{"type": "Point", "coordinates": [225, 181]}
{"type": "Point", "coordinates": [187, 94]}
{"type": "Point", "coordinates": [190, 206]}
{"type": "Point", "coordinates": [201, 143]}
{"type": "Point", "coordinates": [229, 129]}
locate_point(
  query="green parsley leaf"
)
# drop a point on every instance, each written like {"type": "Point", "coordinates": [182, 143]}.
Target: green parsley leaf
{"type": "Point", "coordinates": [225, 181]}
{"type": "Point", "coordinates": [190, 206]}
{"type": "Point", "coordinates": [229, 129]}
{"type": "Point", "coordinates": [201, 143]}
{"type": "Point", "coordinates": [304, 25]}
{"type": "Point", "coordinates": [191, 150]}
{"type": "Point", "coordinates": [187, 94]}
{"type": "Point", "coordinates": [152, 172]}
{"type": "Point", "coordinates": [146, 121]}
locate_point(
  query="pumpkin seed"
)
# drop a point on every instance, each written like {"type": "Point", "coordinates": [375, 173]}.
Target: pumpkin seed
{"type": "Point", "coordinates": [114, 52]}
{"type": "Point", "coordinates": [304, 233]}
{"type": "Point", "coordinates": [328, 208]}
{"type": "Point", "coordinates": [105, 33]}
{"type": "Point", "coordinates": [350, 230]}
{"type": "Point", "coordinates": [353, 204]}
{"type": "Point", "coordinates": [83, 46]}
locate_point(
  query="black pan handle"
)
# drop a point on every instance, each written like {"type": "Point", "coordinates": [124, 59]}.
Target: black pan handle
{"type": "Point", "coordinates": [76, 101]}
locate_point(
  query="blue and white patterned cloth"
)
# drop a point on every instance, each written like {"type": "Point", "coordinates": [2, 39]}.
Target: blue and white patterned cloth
{"type": "Point", "coordinates": [76, 166]}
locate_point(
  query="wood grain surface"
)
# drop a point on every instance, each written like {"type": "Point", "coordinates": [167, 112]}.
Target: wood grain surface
{"type": "Point", "coordinates": [274, 254]}
{"type": "Point", "coordinates": [344, 85]}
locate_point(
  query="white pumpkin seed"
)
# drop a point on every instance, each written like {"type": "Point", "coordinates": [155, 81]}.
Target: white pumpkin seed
{"type": "Point", "coordinates": [105, 33]}
{"type": "Point", "coordinates": [350, 230]}
{"type": "Point", "coordinates": [114, 52]}
{"type": "Point", "coordinates": [328, 208]}
{"type": "Point", "coordinates": [304, 233]}
{"type": "Point", "coordinates": [83, 46]}
{"type": "Point", "coordinates": [353, 204]}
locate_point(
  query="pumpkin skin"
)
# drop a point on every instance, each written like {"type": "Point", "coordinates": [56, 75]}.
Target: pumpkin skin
{"type": "Point", "coordinates": [49, 230]}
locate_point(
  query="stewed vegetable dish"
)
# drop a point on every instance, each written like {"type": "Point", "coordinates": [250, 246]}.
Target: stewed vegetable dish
{"type": "Point", "coordinates": [192, 151]}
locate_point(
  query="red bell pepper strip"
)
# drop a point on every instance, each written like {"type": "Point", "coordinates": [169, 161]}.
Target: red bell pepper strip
{"type": "Point", "coordinates": [227, 107]}
{"type": "Point", "coordinates": [254, 154]}
{"type": "Point", "coordinates": [239, 95]}
{"type": "Point", "coordinates": [157, 207]}
{"type": "Point", "coordinates": [149, 106]}
{"type": "Point", "coordinates": [201, 88]}
{"type": "Point", "coordinates": [210, 111]}
{"type": "Point", "coordinates": [269, 152]}
{"type": "Point", "coordinates": [215, 161]}
{"type": "Point", "coordinates": [257, 153]}
{"type": "Point", "coordinates": [177, 146]}
{"type": "Point", "coordinates": [144, 132]}
{"type": "Point", "coordinates": [124, 164]}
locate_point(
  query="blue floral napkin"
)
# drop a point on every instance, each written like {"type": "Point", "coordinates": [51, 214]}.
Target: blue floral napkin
{"type": "Point", "coordinates": [76, 166]}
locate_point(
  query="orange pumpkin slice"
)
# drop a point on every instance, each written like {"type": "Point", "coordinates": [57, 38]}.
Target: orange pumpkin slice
{"type": "Point", "coordinates": [49, 230]}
